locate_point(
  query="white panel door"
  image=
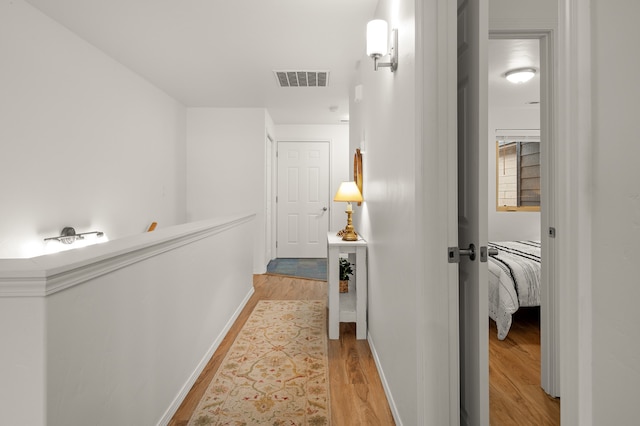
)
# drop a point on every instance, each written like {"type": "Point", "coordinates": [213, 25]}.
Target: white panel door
{"type": "Point", "coordinates": [303, 199]}
{"type": "Point", "coordinates": [472, 210]}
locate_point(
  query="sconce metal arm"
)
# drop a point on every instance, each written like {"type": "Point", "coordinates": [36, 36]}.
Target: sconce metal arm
{"type": "Point", "coordinates": [393, 54]}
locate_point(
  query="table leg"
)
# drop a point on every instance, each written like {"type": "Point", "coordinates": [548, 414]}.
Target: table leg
{"type": "Point", "coordinates": [333, 269]}
{"type": "Point", "coordinates": [361, 292]}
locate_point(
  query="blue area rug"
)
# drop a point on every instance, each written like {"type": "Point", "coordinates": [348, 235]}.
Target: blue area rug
{"type": "Point", "coordinates": [314, 269]}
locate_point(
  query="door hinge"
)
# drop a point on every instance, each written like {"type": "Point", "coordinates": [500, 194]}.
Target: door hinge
{"type": "Point", "coordinates": [276, 244]}
{"type": "Point", "coordinates": [552, 232]}
{"type": "Point", "coordinates": [276, 198]}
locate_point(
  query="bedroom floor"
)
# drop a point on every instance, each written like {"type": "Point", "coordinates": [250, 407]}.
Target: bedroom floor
{"type": "Point", "coordinates": [515, 395]}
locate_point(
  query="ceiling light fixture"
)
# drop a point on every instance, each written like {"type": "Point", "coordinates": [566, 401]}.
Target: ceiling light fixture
{"type": "Point", "coordinates": [520, 75]}
{"type": "Point", "coordinates": [378, 46]}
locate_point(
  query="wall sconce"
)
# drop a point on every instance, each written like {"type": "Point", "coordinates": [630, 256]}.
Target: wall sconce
{"type": "Point", "coordinates": [68, 235]}
{"type": "Point", "coordinates": [377, 44]}
{"type": "Point", "coordinates": [521, 75]}
{"type": "Point", "coordinates": [348, 192]}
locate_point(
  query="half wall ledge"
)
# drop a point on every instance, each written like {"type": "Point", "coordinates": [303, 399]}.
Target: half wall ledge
{"type": "Point", "coordinates": [45, 275]}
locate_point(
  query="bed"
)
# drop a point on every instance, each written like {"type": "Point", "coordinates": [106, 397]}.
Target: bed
{"type": "Point", "coordinates": [514, 280]}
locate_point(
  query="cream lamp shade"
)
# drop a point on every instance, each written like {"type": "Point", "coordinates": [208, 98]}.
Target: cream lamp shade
{"type": "Point", "coordinates": [348, 192]}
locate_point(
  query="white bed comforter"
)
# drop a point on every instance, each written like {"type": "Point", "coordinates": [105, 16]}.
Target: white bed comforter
{"type": "Point", "coordinates": [514, 280]}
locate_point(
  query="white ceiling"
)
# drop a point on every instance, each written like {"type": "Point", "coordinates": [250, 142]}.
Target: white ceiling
{"type": "Point", "coordinates": [222, 53]}
{"type": "Point", "coordinates": [509, 54]}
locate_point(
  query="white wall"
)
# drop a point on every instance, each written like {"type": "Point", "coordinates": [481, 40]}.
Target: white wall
{"type": "Point", "coordinates": [513, 14]}
{"type": "Point", "coordinates": [84, 142]}
{"type": "Point", "coordinates": [117, 333]}
{"type": "Point", "coordinates": [386, 119]}
{"type": "Point", "coordinates": [506, 226]}
{"type": "Point", "coordinates": [340, 157]}
{"type": "Point", "coordinates": [226, 167]}
{"type": "Point", "coordinates": [615, 211]}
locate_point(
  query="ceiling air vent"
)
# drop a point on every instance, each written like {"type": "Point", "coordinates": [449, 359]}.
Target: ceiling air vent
{"type": "Point", "coordinates": [302, 78]}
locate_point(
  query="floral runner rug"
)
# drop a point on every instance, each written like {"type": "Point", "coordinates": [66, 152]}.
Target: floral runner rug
{"type": "Point", "coordinates": [276, 371]}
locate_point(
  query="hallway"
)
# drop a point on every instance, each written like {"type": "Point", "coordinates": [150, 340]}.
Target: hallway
{"type": "Point", "coordinates": [357, 395]}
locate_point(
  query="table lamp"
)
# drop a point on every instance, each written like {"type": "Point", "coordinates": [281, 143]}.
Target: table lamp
{"type": "Point", "coordinates": [348, 192]}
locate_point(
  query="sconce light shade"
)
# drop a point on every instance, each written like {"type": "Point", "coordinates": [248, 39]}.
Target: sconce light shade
{"type": "Point", "coordinates": [521, 75]}
{"type": "Point", "coordinates": [378, 46]}
{"type": "Point", "coordinates": [377, 38]}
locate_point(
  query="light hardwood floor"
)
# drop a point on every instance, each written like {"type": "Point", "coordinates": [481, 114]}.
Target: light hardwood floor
{"type": "Point", "coordinates": [357, 395]}
{"type": "Point", "coordinates": [515, 395]}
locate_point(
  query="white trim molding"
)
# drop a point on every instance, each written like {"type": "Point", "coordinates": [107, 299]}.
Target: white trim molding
{"type": "Point", "coordinates": [385, 384]}
{"type": "Point", "coordinates": [575, 208]}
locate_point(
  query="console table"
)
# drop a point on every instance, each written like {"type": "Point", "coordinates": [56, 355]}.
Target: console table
{"type": "Point", "coordinates": [351, 306]}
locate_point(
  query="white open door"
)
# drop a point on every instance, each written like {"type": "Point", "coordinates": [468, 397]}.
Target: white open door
{"type": "Point", "coordinates": [303, 199]}
{"type": "Point", "coordinates": [472, 210]}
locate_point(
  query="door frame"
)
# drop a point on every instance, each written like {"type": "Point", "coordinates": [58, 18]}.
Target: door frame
{"type": "Point", "coordinates": [573, 171]}
{"type": "Point", "coordinates": [270, 197]}
{"type": "Point", "coordinates": [436, 127]}
{"type": "Point", "coordinates": [549, 294]}
{"type": "Point", "coordinates": [435, 66]}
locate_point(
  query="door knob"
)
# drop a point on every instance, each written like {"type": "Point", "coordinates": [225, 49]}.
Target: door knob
{"type": "Point", "coordinates": [324, 209]}
{"type": "Point", "coordinates": [454, 253]}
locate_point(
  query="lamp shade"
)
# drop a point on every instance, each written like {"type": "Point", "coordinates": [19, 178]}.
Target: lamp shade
{"type": "Point", "coordinates": [349, 192]}
{"type": "Point", "coordinates": [377, 38]}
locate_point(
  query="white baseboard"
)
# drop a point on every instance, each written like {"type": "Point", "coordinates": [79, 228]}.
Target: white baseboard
{"type": "Point", "coordinates": [175, 404]}
{"type": "Point", "coordinates": [385, 384]}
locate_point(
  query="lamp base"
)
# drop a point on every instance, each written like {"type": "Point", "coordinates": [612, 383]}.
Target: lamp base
{"type": "Point", "coordinates": [342, 232]}
{"type": "Point", "coordinates": [348, 233]}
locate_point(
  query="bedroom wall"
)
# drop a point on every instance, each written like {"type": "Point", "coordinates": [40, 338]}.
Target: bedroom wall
{"type": "Point", "coordinates": [515, 15]}
{"type": "Point", "coordinates": [84, 142]}
{"type": "Point", "coordinates": [338, 137]}
{"type": "Point", "coordinates": [505, 226]}
{"type": "Point", "coordinates": [226, 167]}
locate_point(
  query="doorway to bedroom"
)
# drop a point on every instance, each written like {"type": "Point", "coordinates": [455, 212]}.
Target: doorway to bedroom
{"type": "Point", "coordinates": [519, 209]}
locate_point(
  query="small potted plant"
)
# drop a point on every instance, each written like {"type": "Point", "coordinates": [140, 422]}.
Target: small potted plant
{"type": "Point", "coordinates": [345, 271]}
